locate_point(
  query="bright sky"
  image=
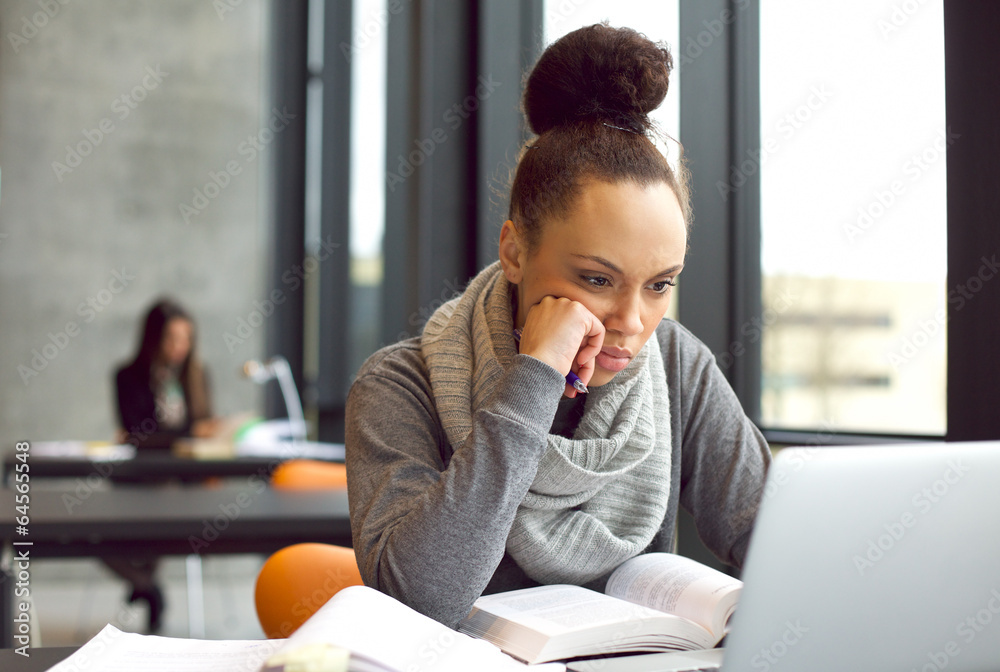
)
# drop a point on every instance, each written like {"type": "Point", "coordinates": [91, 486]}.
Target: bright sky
{"type": "Point", "coordinates": [368, 135]}
{"type": "Point", "coordinates": [867, 85]}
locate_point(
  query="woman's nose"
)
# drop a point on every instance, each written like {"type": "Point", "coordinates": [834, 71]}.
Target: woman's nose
{"type": "Point", "coordinates": [625, 316]}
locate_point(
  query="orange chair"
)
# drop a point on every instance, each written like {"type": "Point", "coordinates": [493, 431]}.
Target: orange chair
{"type": "Point", "coordinates": [299, 579]}
{"type": "Point", "coordinates": [309, 475]}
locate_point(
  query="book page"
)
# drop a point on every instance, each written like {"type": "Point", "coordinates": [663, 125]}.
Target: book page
{"type": "Point", "coordinates": [377, 627]}
{"type": "Point", "coordinates": [382, 634]}
{"type": "Point", "coordinates": [556, 609]}
{"type": "Point", "coordinates": [112, 650]}
{"type": "Point", "coordinates": [556, 622]}
{"type": "Point", "coordinates": [678, 585]}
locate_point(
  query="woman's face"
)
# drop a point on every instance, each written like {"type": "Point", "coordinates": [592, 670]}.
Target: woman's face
{"type": "Point", "coordinates": [616, 252]}
{"type": "Point", "coordinates": [176, 343]}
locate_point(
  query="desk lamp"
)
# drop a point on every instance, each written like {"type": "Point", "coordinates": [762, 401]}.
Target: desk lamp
{"type": "Point", "coordinates": [277, 368]}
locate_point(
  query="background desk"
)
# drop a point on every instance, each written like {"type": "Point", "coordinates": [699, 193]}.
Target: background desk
{"type": "Point", "coordinates": [167, 521]}
{"type": "Point", "coordinates": [158, 466]}
{"type": "Point", "coordinates": [149, 468]}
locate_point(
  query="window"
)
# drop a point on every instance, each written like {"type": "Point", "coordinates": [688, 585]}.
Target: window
{"type": "Point", "coordinates": [853, 216]}
{"type": "Point", "coordinates": [368, 152]}
{"type": "Point", "coordinates": [345, 196]}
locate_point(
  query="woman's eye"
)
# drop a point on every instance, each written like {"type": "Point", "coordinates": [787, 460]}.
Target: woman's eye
{"type": "Point", "coordinates": [663, 286]}
{"type": "Point", "coordinates": [596, 280]}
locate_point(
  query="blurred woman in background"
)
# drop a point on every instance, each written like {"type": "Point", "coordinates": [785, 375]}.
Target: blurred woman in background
{"type": "Point", "coordinates": [163, 392]}
{"type": "Point", "coordinates": [162, 396]}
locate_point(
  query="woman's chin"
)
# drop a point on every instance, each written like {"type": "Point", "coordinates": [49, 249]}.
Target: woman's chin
{"type": "Point", "coordinates": [601, 377]}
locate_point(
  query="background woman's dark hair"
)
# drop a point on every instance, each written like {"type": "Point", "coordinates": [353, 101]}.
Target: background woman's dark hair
{"type": "Point", "coordinates": [191, 375]}
{"type": "Point", "coordinates": [588, 99]}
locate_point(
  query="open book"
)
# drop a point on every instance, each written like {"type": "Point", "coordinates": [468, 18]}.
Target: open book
{"type": "Point", "coordinates": [358, 630]}
{"type": "Point", "coordinates": [652, 602]}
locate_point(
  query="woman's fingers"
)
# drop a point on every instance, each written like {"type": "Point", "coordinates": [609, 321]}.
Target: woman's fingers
{"type": "Point", "coordinates": [586, 369]}
{"type": "Point", "coordinates": [592, 344]}
{"type": "Point", "coordinates": [564, 334]}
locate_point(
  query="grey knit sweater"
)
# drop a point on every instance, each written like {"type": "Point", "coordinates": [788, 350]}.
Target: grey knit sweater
{"type": "Point", "coordinates": [429, 525]}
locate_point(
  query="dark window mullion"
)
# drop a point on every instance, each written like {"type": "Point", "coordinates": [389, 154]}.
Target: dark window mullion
{"type": "Point", "coordinates": [745, 207]}
{"type": "Point", "coordinates": [335, 180]}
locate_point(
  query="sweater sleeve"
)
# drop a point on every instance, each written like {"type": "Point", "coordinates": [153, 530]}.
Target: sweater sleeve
{"type": "Point", "coordinates": [724, 457]}
{"type": "Point", "coordinates": [128, 401]}
{"type": "Point", "coordinates": [429, 526]}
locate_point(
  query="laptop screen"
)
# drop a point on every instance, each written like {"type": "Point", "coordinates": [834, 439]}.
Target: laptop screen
{"type": "Point", "coordinates": [874, 558]}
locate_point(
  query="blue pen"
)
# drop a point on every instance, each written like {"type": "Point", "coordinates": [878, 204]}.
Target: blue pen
{"type": "Point", "coordinates": [571, 378]}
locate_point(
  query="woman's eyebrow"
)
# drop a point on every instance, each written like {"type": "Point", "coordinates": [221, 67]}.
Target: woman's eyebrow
{"type": "Point", "coordinates": [604, 262]}
{"type": "Point", "coordinates": [672, 269]}
{"type": "Point", "coordinates": [600, 260]}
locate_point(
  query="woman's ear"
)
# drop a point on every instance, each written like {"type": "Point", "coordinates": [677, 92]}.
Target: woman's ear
{"type": "Point", "coordinates": [512, 253]}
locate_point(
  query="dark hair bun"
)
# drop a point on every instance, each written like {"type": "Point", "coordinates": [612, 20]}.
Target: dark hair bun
{"type": "Point", "coordinates": [600, 73]}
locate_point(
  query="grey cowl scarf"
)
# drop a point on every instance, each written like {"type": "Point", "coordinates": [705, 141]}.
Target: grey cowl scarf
{"type": "Point", "coordinates": [597, 499]}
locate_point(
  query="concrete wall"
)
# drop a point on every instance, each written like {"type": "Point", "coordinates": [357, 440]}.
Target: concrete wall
{"type": "Point", "coordinates": [152, 98]}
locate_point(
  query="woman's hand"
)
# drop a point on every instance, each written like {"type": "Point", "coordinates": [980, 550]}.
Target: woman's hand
{"type": "Point", "coordinates": [565, 335]}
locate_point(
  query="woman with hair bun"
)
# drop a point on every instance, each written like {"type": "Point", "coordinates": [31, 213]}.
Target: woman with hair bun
{"type": "Point", "coordinates": [475, 462]}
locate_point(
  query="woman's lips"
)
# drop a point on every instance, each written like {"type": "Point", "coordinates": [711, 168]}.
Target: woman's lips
{"type": "Point", "coordinates": [613, 359]}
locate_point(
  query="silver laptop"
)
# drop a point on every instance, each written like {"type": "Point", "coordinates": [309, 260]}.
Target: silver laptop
{"type": "Point", "coordinates": [874, 558]}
